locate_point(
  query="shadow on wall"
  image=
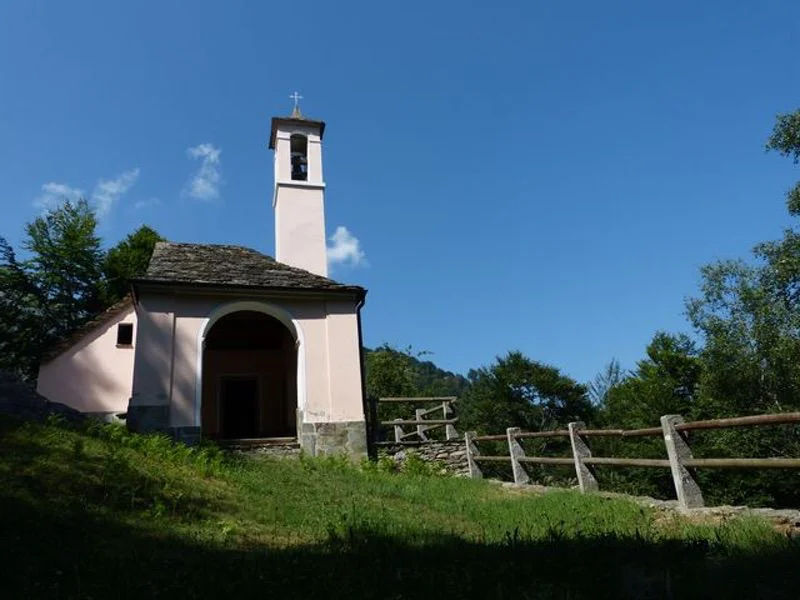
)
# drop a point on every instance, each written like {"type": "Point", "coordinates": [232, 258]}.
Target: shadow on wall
{"type": "Point", "coordinates": [88, 393]}
{"type": "Point", "coordinates": [64, 546]}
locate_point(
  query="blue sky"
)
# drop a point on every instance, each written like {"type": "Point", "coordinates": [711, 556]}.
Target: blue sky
{"type": "Point", "coordinates": [542, 176]}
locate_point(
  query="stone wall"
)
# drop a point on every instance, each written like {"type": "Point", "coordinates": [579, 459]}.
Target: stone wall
{"type": "Point", "coordinates": [326, 439]}
{"type": "Point", "coordinates": [263, 448]}
{"type": "Point", "coordinates": [452, 454]}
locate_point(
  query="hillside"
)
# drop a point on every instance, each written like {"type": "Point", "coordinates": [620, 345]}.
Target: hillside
{"type": "Point", "coordinates": [419, 377]}
{"type": "Point", "coordinates": [100, 513]}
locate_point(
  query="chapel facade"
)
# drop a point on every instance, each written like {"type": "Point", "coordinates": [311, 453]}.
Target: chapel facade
{"type": "Point", "coordinates": [223, 342]}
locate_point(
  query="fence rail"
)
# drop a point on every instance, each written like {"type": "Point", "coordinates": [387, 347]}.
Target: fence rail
{"type": "Point", "coordinates": [674, 430]}
{"type": "Point", "coordinates": [422, 425]}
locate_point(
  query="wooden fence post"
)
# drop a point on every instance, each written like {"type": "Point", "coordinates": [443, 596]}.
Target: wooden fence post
{"type": "Point", "coordinates": [580, 450]}
{"type": "Point", "coordinates": [398, 432]}
{"type": "Point", "coordinates": [515, 451]}
{"type": "Point", "coordinates": [678, 451]}
{"type": "Point", "coordinates": [472, 452]}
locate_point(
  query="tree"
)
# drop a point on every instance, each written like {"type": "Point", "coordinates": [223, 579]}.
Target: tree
{"type": "Point", "coordinates": [785, 139]}
{"type": "Point", "coordinates": [748, 314]}
{"type": "Point", "coordinates": [20, 312]}
{"type": "Point", "coordinates": [605, 381]}
{"type": "Point", "coordinates": [65, 280]}
{"type": "Point", "coordinates": [53, 292]}
{"type": "Point", "coordinates": [128, 260]}
{"type": "Point", "coordinates": [516, 391]}
{"type": "Point", "coordinates": [663, 383]}
{"type": "Point", "coordinates": [390, 372]}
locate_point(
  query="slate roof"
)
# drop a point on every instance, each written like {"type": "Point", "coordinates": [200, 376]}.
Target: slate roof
{"type": "Point", "coordinates": [231, 266]}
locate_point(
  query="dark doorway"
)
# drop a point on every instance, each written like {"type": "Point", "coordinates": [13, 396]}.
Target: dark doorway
{"type": "Point", "coordinates": [249, 378]}
{"type": "Point", "coordinates": [238, 407]}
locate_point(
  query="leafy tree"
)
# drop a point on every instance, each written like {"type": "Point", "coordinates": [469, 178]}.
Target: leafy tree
{"type": "Point", "coordinates": [516, 391]}
{"type": "Point", "coordinates": [127, 260]}
{"type": "Point", "coordinates": [65, 265]}
{"type": "Point", "coordinates": [785, 139]}
{"type": "Point", "coordinates": [20, 312]}
{"type": "Point", "coordinates": [663, 383]}
{"type": "Point", "coordinates": [54, 291]}
{"type": "Point", "coordinates": [390, 373]}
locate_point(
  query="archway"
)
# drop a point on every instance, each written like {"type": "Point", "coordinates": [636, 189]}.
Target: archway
{"type": "Point", "coordinates": [249, 377]}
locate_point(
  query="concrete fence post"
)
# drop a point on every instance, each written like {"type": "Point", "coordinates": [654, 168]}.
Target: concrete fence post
{"type": "Point", "coordinates": [421, 429]}
{"type": "Point", "coordinates": [678, 451]}
{"type": "Point", "coordinates": [515, 451]}
{"type": "Point", "coordinates": [472, 452]}
{"type": "Point", "coordinates": [580, 451]}
{"type": "Point", "coordinates": [450, 432]}
{"type": "Point", "coordinates": [398, 431]}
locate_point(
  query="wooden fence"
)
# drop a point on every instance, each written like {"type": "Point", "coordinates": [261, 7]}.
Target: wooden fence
{"type": "Point", "coordinates": [674, 431]}
{"type": "Point", "coordinates": [420, 424]}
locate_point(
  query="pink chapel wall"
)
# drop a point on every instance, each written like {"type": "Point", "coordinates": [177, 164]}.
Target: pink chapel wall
{"type": "Point", "coordinates": [93, 375]}
{"type": "Point", "coordinates": [329, 373]}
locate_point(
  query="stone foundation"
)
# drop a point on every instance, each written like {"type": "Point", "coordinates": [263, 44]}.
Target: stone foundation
{"type": "Point", "coordinates": [280, 449]}
{"type": "Point", "coordinates": [452, 454]}
{"type": "Point", "coordinates": [327, 439]}
{"type": "Point", "coordinates": [148, 419]}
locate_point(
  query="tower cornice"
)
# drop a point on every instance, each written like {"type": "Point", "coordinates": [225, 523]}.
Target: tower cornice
{"type": "Point", "coordinates": [287, 122]}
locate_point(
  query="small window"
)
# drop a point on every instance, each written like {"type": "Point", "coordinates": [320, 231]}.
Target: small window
{"type": "Point", "coordinates": [125, 334]}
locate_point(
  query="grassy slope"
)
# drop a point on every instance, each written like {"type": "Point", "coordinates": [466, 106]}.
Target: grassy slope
{"type": "Point", "coordinates": [102, 514]}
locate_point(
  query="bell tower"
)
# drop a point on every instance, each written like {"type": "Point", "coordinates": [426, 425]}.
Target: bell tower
{"type": "Point", "coordinates": [299, 194]}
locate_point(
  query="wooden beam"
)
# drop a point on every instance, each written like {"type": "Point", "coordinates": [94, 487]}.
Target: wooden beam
{"type": "Point", "coordinates": [428, 399]}
{"type": "Point", "coordinates": [547, 460]}
{"type": "Point", "coordinates": [627, 462]}
{"type": "Point", "coordinates": [775, 419]}
{"type": "Point", "coordinates": [744, 463]}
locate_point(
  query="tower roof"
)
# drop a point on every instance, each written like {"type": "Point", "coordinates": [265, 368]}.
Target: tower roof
{"type": "Point", "coordinates": [296, 118]}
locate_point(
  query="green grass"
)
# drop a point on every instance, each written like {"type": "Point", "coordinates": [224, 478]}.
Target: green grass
{"type": "Point", "coordinates": [100, 513]}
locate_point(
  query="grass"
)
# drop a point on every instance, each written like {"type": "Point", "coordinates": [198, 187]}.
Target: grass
{"type": "Point", "coordinates": [100, 513]}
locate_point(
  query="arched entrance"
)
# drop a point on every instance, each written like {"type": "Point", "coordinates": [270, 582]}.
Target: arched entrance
{"type": "Point", "coordinates": [249, 378]}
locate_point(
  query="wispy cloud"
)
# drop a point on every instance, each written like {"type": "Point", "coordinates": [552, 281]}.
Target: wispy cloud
{"type": "Point", "coordinates": [54, 193]}
{"type": "Point", "coordinates": [140, 204]}
{"type": "Point", "coordinates": [206, 182]}
{"type": "Point", "coordinates": [345, 249]}
{"type": "Point", "coordinates": [108, 191]}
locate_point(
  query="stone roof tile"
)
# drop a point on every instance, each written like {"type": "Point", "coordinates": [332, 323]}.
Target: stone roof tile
{"type": "Point", "coordinates": [231, 266]}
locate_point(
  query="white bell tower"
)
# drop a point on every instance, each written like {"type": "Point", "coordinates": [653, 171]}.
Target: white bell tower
{"type": "Point", "coordinates": [299, 194]}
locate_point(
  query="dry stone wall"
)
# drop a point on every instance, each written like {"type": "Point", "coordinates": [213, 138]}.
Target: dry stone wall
{"type": "Point", "coordinates": [452, 454]}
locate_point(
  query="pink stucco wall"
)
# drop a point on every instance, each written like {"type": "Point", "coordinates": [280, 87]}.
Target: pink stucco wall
{"type": "Point", "coordinates": [94, 375]}
{"type": "Point", "coordinates": [300, 205]}
{"type": "Point", "coordinates": [170, 336]}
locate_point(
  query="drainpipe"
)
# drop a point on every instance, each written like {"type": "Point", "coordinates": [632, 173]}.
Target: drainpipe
{"type": "Point", "coordinates": [368, 416]}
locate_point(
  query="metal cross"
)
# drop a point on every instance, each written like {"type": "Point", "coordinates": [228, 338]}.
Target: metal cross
{"type": "Point", "coordinates": [296, 97]}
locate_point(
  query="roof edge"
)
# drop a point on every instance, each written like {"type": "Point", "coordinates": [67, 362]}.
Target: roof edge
{"type": "Point", "coordinates": [277, 121]}
{"type": "Point", "coordinates": [350, 290]}
{"type": "Point", "coordinates": [90, 326]}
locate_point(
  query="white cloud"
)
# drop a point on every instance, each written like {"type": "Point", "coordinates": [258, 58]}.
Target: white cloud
{"type": "Point", "coordinates": [108, 191]}
{"type": "Point", "coordinates": [345, 249]}
{"type": "Point", "coordinates": [140, 204]}
{"type": "Point", "coordinates": [54, 193]}
{"type": "Point", "coordinates": [205, 183]}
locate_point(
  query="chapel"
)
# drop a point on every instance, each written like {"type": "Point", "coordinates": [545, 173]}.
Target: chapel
{"type": "Point", "coordinates": [223, 342]}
